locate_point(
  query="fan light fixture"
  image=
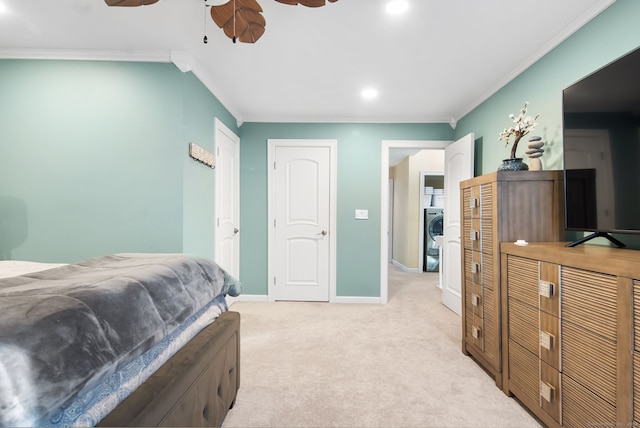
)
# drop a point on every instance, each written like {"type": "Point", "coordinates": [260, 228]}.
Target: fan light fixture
{"type": "Point", "coordinates": [241, 20]}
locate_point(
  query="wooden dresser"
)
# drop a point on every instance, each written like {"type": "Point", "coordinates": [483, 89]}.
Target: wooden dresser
{"type": "Point", "coordinates": [497, 207]}
{"type": "Point", "coordinates": [569, 316]}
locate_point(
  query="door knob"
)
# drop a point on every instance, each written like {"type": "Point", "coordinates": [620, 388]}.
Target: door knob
{"type": "Point", "coordinates": [323, 233]}
{"type": "Point", "coordinates": [235, 230]}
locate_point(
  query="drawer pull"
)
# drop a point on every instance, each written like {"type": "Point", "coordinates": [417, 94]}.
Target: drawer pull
{"type": "Point", "coordinates": [475, 332]}
{"type": "Point", "coordinates": [546, 340]}
{"type": "Point", "coordinates": [473, 202]}
{"type": "Point", "coordinates": [475, 267]}
{"type": "Point", "coordinates": [547, 391]}
{"type": "Point", "coordinates": [475, 300]}
{"type": "Point", "coordinates": [546, 288]}
{"type": "Point", "coordinates": [474, 235]}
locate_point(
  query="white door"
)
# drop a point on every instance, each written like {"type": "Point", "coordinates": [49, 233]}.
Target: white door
{"type": "Point", "coordinates": [302, 222]}
{"type": "Point", "coordinates": [227, 202]}
{"type": "Point", "coordinates": [458, 166]}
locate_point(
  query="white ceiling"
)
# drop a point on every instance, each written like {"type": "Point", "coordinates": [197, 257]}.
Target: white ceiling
{"type": "Point", "coordinates": [433, 64]}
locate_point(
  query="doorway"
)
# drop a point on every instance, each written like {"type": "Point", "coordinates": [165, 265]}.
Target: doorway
{"type": "Point", "coordinates": [387, 146]}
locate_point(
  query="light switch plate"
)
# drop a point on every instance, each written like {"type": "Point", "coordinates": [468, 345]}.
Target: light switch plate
{"type": "Point", "coordinates": [362, 214]}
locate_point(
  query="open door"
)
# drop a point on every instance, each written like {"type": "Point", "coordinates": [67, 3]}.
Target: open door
{"type": "Point", "coordinates": [458, 166]}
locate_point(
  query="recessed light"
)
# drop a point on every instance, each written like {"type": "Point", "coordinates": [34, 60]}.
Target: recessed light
{"type": "Point", "coordinates": [396, 7]}
{"type": "Point", "coordinates": [369, 93]}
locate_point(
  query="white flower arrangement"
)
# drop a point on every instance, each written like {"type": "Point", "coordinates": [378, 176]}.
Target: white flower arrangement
{"type": "Point", "coordinates": [523, 125]}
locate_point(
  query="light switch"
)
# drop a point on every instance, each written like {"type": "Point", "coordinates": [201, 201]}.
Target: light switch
{"type": "Point", "coordinates": [362, 214]}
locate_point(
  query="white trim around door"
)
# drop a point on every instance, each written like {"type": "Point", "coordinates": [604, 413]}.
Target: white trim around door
{"type": "Point", "coordinates": [331, 233]}
{"type": "Point", "coordinates": [384, 210]}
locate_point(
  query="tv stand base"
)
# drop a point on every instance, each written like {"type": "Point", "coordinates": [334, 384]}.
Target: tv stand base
{"type": "Point", "coordinates": [597, 235]}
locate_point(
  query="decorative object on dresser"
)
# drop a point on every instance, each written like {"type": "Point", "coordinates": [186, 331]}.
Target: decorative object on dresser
{"type": "Point", "coordinates": [497, 207]}
{"type": "Point", "coordinates": [523, 125]}
{"type": "Point", "coordinates": [570, 316]}
{"type": "Point", "coordinates": [535, 152]}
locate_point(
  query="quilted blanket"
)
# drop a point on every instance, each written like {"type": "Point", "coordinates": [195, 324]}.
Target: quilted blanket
{"type": "Point", "coordinates": [64, 330]}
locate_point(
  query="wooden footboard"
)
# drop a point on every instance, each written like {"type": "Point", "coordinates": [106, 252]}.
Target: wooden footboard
{"type": "Point", "coordinates": [195, 388]}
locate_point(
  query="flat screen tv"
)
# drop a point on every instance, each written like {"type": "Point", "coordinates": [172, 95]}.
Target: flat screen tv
{"type": "Point", "coordinates": [601, 151]}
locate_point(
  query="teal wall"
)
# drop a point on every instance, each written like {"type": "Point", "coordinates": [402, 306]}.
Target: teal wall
{"type": "Point", "coordinates": [358, 175]}
{"type": "Point", "coordinates": [93, 156]}
{"type": "Point", "coordinates": [94, 160]}
{"type": "Point", "coordinates": [610, 35]}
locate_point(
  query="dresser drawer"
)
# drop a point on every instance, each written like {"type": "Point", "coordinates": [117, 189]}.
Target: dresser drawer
{"type": "Point", "coordinates": [473, 266]}
{"type": "Point", "coordinates": [550, 340]}
{"type": "Point", "coordinates": [522, 280]}
{"type": "Point", "coordinates": [636, 317]}
{"type": "Point", "coordinates": [550, 391]}
{"type": "Point", "coordinates": [524, 371]}
{"type": "Point", "coordinates": [475, 299]}
{"type": "Point", "coordinates": [582, 408]}
{"type": "Point", "coordinates": [487, 193]}
{"type": "Point", "coordinates": [471, 202]}
{"type": "Point", "coordinates": [523, 325]}
{"type": "Point", "coordinates": [590, 360]}
{"type": "Point", "coordinates": [549, 288]}
{"type": "Point", "coordinates": [472, 234]}
{"type": "Point", "coordinates": [636, 388]}
{"type": "Point", "coordinates": [589, 300]}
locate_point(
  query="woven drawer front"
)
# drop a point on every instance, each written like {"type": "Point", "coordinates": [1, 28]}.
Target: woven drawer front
{"type": "Point", "coordinates": [487, 270]}
{"type": "Point", "coordinates": [550, 330]}
{"type": "Point", "coordinates": [486, 200]}
{"type": "Point", "coordinates": [636, 315]}
{"type": "Point", "coordinates": [522, 280]}
{"type": "Point", "coordinates": [582, 408]}
{"type": "Point", "coordinates": [550, 378]}
{"type": "Point", "coordinates": [589, 301]}
{"type": "Point", "coordinates": [473, 322]}
{"type": "Point", "coordinates": [466, 231]}
{"type": "Point", "coordinates": [524, 371]}
{"type": "Point", "coordinates": [473, 266]}
{"type": "Point", "coordinates": [636, 388]}
{"type": "Point", "coordinates": [491, 327]}
{"type": "Point", "coordinates": [550, 275]}
{"type": "Point", "coordinates": [590, 360]}
{"type": "Point", "coordinates": [486, 236]}
{"type": "Point", "coordinates": [475, 299]}
{"type": "Point", "coordinates": [523, 325]}
{"type": "Point", "coordinates": [468, 209]}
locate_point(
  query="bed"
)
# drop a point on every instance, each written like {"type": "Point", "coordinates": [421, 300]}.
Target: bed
{"type": "Point", "coordinates": [119, 340]}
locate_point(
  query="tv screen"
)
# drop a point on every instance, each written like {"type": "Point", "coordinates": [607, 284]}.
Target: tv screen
{"type": "Point", "coordinates": [601, 149]}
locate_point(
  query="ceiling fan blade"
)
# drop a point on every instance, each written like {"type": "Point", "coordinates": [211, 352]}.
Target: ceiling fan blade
{"type": "Point", "coordinates": [240, 19]}
{"type": "Point", "coordinates": [129, 2]}
{"type": "Point", "coordinates": [308, 3]}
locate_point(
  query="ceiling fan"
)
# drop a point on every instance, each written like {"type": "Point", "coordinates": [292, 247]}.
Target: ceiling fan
{"type": "Point", "coordinates": [241, 20]}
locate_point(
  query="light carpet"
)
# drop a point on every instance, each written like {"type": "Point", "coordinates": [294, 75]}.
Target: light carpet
{"type": "Point", "coordinates": [358, 365]}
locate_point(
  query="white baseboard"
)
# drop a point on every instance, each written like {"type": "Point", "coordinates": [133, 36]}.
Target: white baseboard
{"type": "Point", "coordinates": [356, 299]}
{"type": "Point", "coordinates": [253, 298]}
{"type": "Point", "coordinates": [260, 298]}
{"type": "Point", "coordinates": [404, 268]}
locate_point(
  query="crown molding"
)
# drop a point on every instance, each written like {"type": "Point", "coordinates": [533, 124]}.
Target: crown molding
{"type": "Point", "coordinates": [580, 21]}
{"type": "Point", "coordinates": [182, 59]}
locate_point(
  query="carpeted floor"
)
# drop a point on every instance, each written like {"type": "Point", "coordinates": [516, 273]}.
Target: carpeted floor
{"type": "Point", "coordinates": [341, 365]}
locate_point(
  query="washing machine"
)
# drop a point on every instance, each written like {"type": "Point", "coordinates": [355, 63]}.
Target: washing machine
{"type": "Point", "coordinates": [432, 228]}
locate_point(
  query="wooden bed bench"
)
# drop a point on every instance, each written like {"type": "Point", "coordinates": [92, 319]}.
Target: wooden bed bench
{"type": "Point", "coordinates": [196, 387]}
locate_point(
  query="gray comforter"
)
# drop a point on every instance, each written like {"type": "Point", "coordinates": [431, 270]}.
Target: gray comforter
{"type": "Point", "coordinates": [65, 329]}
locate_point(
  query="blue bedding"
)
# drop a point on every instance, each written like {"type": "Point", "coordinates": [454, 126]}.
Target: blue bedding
{"type": "Point", "coordinates": [64, 331]}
